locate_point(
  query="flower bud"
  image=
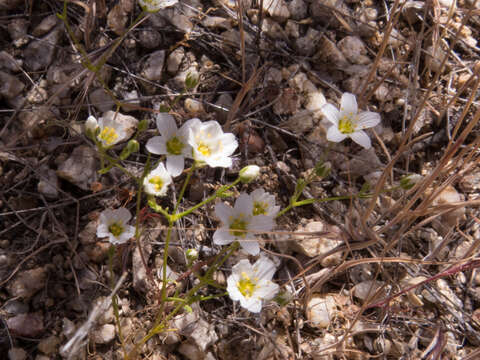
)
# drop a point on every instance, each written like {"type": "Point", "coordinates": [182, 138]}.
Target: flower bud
{"type": "Point", "coordinates": [409, 181]}
{"type": "Point", "coordinates": [323, 169]}
{"type": "Point", "coordinates": [132, 146]}
{"type": "Point", "coordinates": [142, 125]}
{"type": "Point", "coordinates": [191, 254]}
{"type": "Point", "coordinates": [91, 126]}
{"type": "Point", "coordinates": [249, 173]}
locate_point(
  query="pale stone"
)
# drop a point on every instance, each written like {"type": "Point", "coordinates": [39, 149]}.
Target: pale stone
{"type": "Point", "coordinates": [17, 354]}
{"type": "Point", "coordinates": [367, 289]}
{"type": "Point", "coordinates": [49, 345]}
{"type": "Point", "coordinates": [321, 309]}
{"type": "Point", "coordinates": [80, 168]}
{"type": "Point", "coordinates": [323, 239]}
{"type": "Point", "coordinates": [27, 283]}
{"type": "Point", "coordinates": [103, 334]}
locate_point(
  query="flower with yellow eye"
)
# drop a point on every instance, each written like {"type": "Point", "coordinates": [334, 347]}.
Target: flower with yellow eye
{"type": "Point", "coordinates": [264, 203]}
{"type": "Point", "coordinates": [113, 128]}
{"type": "Point", "coordinates": [210, 145]}
{"type": "Point", "coordinates": [156, 5]}
{"type": "Point", "coordinates": [113, 224]}
{"type": "Point", "coordinates": [172, 142]}
{"type": "Point", "coordinates": [238, 223]}
{"type": "Point", "coordinates": [157, 181]}
{"type": "Point", "coordinates": [252, 284]}
{"type": "Point", "coordinates": [348, 122]}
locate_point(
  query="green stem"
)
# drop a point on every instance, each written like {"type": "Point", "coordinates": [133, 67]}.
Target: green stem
{"type": "Point", "coordinates": [116, 312]}
{"type": "Point", "coordinates": [218, 193]}
{"type": "Point", "coordinates": [184, 187]}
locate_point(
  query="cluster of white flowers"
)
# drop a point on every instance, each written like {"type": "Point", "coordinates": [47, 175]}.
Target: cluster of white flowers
{"type": "Point", "coordinates": [206, 143]}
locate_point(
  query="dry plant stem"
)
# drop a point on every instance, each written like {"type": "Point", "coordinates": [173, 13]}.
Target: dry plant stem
{"type": "Point", "coordinates": [472, 264]}
{"type": "Point", "coordinates": [402, 148]}
{"type": "Point", "coordinates": [383, 46]}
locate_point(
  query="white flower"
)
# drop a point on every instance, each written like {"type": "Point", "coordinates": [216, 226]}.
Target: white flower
{"type": "Point", "coordinates": [264, 203]}
{"type": "Point", "coordinates": [113, 224]}
{"type": "Point", "coordinates": [240, 224]}
{"type": "Point", "coordinates": [249, 173]}
{"type": "Point", "coordinates": [348, 122]}
{"type": "Point", "coordinates": [172, 142]}
{"type": "Point", "coordinates": [111, 131]}
{"type": "Point", "coordinates": [211, 145]}
{"type": "Point", "coordinates": [155, 5]}
{"type": "Point", "coordinates": [252, 284]}
{"type": "Point", "coordinates": [91, 124]}
{"type": "Point", "coordinates": [157, 181]}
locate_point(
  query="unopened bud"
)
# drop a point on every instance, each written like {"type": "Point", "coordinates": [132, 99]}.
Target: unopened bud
{"type": "Point", "coordinates": [409, 181]}
{"type": "Point", "coordinates": [249, 173]}
{"type": "Point", "coordinates": [191, 254]}
{"type": "Point", "coordinates": [91, 126]}
{"type": "Point", "coordinates": [191, 80]}
{"type": "Point", "coordinates": [132, 146]}
{"type": "Point", "coordinates": [142, 125]}
{"type": "Point", "coordinates": [323, 169]}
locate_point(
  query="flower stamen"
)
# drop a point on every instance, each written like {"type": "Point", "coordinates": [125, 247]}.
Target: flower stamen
{"type": "Point", "coordinates": [246, 286]}
{"type": "Point", "coordinates": [174, 146]}
{"type": "Point", "coordinates": [116, 229]}
{"type": "Point", "coordinates": [108, 134]}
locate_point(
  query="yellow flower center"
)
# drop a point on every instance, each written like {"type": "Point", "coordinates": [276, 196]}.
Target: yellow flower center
{"type": "Point", "coordinates": [259, 208]}
{"type": "Point", "coordinates": [108, 135]}
{"type": "Point", "coordinates": [203, 149]}
{"type": "Point", "coordinates": [116, 229]}
{"type": "Point", "coordinates": [174, 146]}
{"type": "Point", "coordinates": [347, 124]}
{"type": "Point", "coordinates": [157, 182]}
{"type": "Point", "coordinates": [238, 227]}
{"type": "Point", "coordinates": [246, 286]}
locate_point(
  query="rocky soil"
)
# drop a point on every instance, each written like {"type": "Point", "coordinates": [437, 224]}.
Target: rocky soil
{"type": "Point", "coordinates": [391, 275]}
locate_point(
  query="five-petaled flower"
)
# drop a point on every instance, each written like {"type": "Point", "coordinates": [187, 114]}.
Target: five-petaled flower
{"type": "Point", "coordinates": [348, 122]}
{"type": "Point", "coordinates": [252, 284]}
{"type": "Point", "coordinates": [113, 224]}
{"type": "Point", "coordinates": [111, 131]}
{"type": "Point", "coordinates": [157, 181]}
{"type": "Point", "coordinates": [239, 223]}
{"type": "Point", "coordinates": [210, 145]}
{"type": "Point", "coordinates": [172, 142]}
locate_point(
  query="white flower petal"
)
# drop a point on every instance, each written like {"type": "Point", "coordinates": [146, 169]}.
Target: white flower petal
{"type": "Point", "coordinates": [232, 288]}
{"type": "Point", "coordinates": [368, 119]}
{"type": "Point", "coordinates": [102, 231]}
{"type": "Point", "coordinates": [261, 223]}
{"type": "Point", "coordinates": [224, 162]}
{"type": "Point", "coordinates": [166, 125]}
{"type": "Point", "coordinates": [348, 104]}
{"type": "Point", "coordinates": [157, 145]}
{"type": "Point", "coordinates": [223, 237]}
{"type": "Point", "coordinates": [229, 144]}
{"type": "Point", "coordinates": [252, 304]}
{"type": "Point", "coordinates": [243, 205]}
{"type": "Point", "coordinates": [264, 268]}
{"type": "Point", "coordinates": [242, 266]}
{"type": "Point", "coordinates": [250, 246]}
{"type": "Point", "coordinates": [223, 212]}
{"type": "Point", "coordinates": [188, 124]}
{"type": "Point", "coordinates": [266, 290]}
{"type": "Point", "coordinates": [362, 139]}
{"type": "Point", "coordinates": [175, 164]}
{"type": "Point", "coordinates": [333, 134]}
{"type": "Point", "coordinates": [331, 113]}
{"type": "Point", "coordinates": [122, 214]}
